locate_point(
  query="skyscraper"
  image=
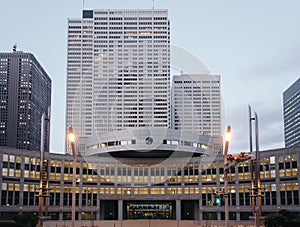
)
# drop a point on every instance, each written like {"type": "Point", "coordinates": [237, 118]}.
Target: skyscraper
{"type": "Point", "coordinates": [118, 71]}
{"type": "Point", "coordinates": [25, 94]}
{"type": "Point", "coordinates": [291, 114]}
{"type": "Point", "coordinates": [196, 102]}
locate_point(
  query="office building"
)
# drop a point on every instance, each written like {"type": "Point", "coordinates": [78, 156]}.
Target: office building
{"type": "Point", "coordinates": [25, 94]}
{"type": "Point", "coordinates": [291, 114]}
{"type": "Point", "coordinates": [115, 190]}
{"type": "Point", "coordinates": [118, 71]}
{"type": "Point", "coordinates": [196, 104]}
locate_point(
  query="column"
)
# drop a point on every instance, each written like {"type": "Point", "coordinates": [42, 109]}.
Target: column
{"type": "Point", "coordinates": [178, 210]}
{"type": "Point", "coordinates": [200, 210]}
{"type": "Point", "coordinates": [219, 217]}
{"type": "Point", "coordinates": [120, 210]}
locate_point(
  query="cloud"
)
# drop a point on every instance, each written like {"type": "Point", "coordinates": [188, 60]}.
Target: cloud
{"type": "Point", "coordinates": [270, 126]}
{"type": "Point", "coordinates": [285, 61]}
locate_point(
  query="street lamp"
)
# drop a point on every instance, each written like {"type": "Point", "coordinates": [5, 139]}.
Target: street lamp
{"type": "Point", "coordinates": [72, 138]}
{"type": "Point", "coordinates": [227, 139]}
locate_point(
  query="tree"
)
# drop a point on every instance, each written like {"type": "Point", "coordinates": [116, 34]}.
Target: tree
{"type": "Point", "coordinates": [289, 216]}
{"type": "Point", "coordinates": [27, 220]}
{"type": "Point", "coordinates": [274, 220]}
{"type": "Point", "coordinates": [281, 219]}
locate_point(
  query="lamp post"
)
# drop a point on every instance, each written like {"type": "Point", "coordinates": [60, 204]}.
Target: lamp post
{"type": "Point", "coordinates": [227, 139]}
{"type": "Point", "coordinates": [256, 189]}
{"type": "Point", "coordinates": [71, 138]}
{"type": "Point", "coordinates": [44, 174]}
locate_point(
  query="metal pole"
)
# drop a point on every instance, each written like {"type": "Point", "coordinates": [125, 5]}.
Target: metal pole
{"type": "Point", "coordinates": [251, 162]}
{"type": "Point", "coordinates": [73, 187]}
{"type": "Point", "coordinates": [226, 197]}
{"type": "Point", "coordinates": [226, 179]}
{"type": "Point", "coordinates": [41, 172]}
{"type": "Point", "coordinates": [73, 179]}
{"type": "Point", "coordinates": [48, 151]}
{"type": "Point", "coordinates": [250, 128]}
{"type": "Point", "coordinates": [259, 204]}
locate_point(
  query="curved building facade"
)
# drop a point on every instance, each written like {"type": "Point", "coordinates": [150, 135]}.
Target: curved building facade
{"type": "Point", "coordinates": [115, 187]}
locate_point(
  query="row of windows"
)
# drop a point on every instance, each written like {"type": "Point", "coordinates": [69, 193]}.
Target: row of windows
{"type": "Point", "coordinates": [130, 18]}
{"type": "Point", "coordinates": [288, 194]}
{"type": "Point", "coordinates": [113, 173]}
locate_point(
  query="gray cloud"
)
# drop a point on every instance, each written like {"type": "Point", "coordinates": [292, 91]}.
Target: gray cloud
{"type": "Point", "coordinates": [284, 62]}
{"type": "Point", "coordinates": [270, 126]}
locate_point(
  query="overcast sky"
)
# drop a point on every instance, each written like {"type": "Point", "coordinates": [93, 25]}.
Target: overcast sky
{"type": "Point", "coordinates": [254, 45]}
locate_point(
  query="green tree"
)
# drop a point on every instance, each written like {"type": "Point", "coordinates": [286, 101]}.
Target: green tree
{"type": "Point", "coordinates": [274, 220]}
{"type": "Point", "coordinates": [288, 215]}
{"type": "Point", "coordinates": [27, 220]}
{"type": "Point", "coordinates": [281, 219]}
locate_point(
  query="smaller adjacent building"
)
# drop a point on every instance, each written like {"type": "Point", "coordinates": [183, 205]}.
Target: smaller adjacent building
{"type": "Point", "coordinates": [196, 104]}
{"type": "Point", "coordinates": [291, 114]}
{"type": "Point", "coordinates": [25, 94]}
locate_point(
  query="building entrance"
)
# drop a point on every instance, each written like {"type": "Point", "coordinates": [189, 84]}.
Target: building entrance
{"type": "Point", "coordinates": [149, 209]}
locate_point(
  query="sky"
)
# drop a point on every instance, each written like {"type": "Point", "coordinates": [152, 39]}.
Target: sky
{"type": "Point", "coordinates": [254, 45]}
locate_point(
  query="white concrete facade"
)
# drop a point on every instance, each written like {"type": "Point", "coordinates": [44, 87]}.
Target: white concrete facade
{"type": "Point", "coordinates": [196, 102]}
{"type": "Point", "coordinates": [118, 71]}
{"type": "Point", "coordinates": [146, 140]}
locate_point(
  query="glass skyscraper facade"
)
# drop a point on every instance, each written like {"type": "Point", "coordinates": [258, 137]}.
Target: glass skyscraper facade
{"type": "Point", "coordinates": [25, 94]}
{"type": "Point", "coordinates": [291, 114]}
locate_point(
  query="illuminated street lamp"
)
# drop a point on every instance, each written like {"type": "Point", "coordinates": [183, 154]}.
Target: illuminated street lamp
{"type": "Point", "coordinates": [72, 138]}
{"type": "Point", "coordinates": [227, 139]}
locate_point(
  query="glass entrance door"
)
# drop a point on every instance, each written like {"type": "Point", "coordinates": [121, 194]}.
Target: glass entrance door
{"type": "Point", "coordinates": [150, 209]}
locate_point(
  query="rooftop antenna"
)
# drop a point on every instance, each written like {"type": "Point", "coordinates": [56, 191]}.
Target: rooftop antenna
{"type": "Point", "coordinates": [153, 4]}
{"type": "Point", "coordinates": [15, 48]}
{"type": "Point", "coordinates": [82, 4]}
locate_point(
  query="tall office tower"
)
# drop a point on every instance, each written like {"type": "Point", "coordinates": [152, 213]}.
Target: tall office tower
{"type": "Point", "coordinates": [118, 71]}
{"type": "Point", "coordinates": [196, 104]}
{"type": "Point", "coordinates": [291, 115]}
{"type": "Point", "coordinates": [25, 94]}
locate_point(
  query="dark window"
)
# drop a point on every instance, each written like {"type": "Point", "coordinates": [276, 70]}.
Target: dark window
{"type": "Point", "coordinates": [282, 198]}
{"type": "Point", "coordinates": [25, 198]}
{"type": "Point", "coordinates": [268, 198]}
{"type": "Point", "coordinates": [289, 197]}
{"type": "Point", "coordinates": [296, 197]}
{"type": "Point", "coordinates": [241, 199]}
{"type": "Point", "coordinates": [3, 199]}
{"type": "Point", "coordinates": [77, 199]}
{"type": "Point", "coordinates": [65, 199]}
{"type": "Point", "coordinates": [274, 201]}
{"type": "Point", "coordinates": [57, 199]}
{"type": "Point", "coordinates": [233, 199]}
{"type": "Point", "coordinates": [87, 14]}
{"type": "Point", "coordinates": [66, 170]}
